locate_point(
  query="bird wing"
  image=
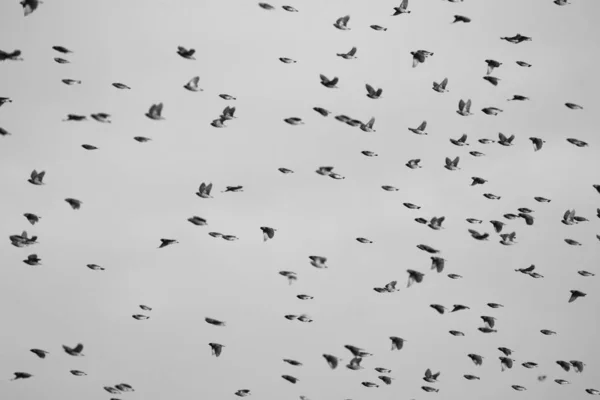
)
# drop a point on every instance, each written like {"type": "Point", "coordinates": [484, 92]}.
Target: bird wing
{"type": "Point", "coordinates": [502, 137]}
{"type": "Point", "coordinates": [78, 348]}
{"type": "Point", "coordinates": [463, 138]}
{"type": "Point", "coordinates": [379, 92]}
{"type": "Point", "coordinates": [404, 4]}
{"type": "Point", "coordinates": [202, 187]}
{"type": "Point", "coordinates": [334, 81]}
{"type": "Point", "coordinates": [352, 51]}
{"type": "Point", "coordinates": [511, 138]}
{"type": "Point", "coordinates": [371, 122]}
{"type": "Point", "coordinates": [428, 373]}
{"type": "Point", "coordinates": [468, 106]}
{"type": "Point", "coordinates": [345, 19]}
{"type": "Point", "coordinates": [422, 126]}
{"type": "Point", "coordinates": [461, 105]}
{"type": "Point", "coordinates": [209, 188]}
{"type": "Point", "coordinates": [448, 161]}
{"type": "Point", "coordinates": [444, 83]}
{"type": "Point", "coordinates": [370, 89]}
{"type": "Point", "coordinates": [324, 79]}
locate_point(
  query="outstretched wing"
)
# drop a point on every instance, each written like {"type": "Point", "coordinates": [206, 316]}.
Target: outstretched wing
{"type": "Point", "coordinates": [370, 89]}
{"type": "Point", "coordinates": [352, 51]}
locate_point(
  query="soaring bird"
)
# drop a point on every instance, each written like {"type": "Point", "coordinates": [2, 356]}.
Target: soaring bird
{"type": "Point", "coordinates": [215, 322]}
{"type": "Point", "coordinates": [32, 259]}
{"type": "Point", "coordinates": [492, 64]}
{"type": "Point", "coordinates": [75, 351]}
{"type": "Point", "coordinates": [401, 9]}
{"type": "Point", "coordinates": [185, 53]}
{"type": "Point", "coordinates": [351, 54]}
{"type": "Point", "coordinates": [155, 112]}
{"type": "Point", "coordinates": [464, 108]}
{"type": "Point", "coordinates": [537, 143]}
{"type": "Point", "coordinates": [461, 18]}
{"type": "Point", "coordinates": [575, 294]}
{"type": "Point", "coordinates": [21, 375]}
{"type": "Point", "coordinates": [414, 276]}
{"type": "Point", "coordinates": [573, 106]}
{"type": "Point", "coordinates": [518, 38]}
{"type": "Point", "coordinates": [420, 130]}
{"type": "Point", "coordinates": [491, 110]}
{"type": "Point", "coordinates": [32, 218]}
{"type": "Point", "coordinates": [12, 55]}
{"type": "Point", "coordinates": [476, 358]}
{"type": "Point", "coordinates": [166, 242]}
{"type": "Point", "coordinates": [40, 353]}
{"type": "Point", "coordinates": [378, 28]}
{"type": "Point", "coordinates": [318, 261]}
{"type": "Point", "coordinates": [332, 361]}
{"type": "Point", "coordinates": [342, 22]}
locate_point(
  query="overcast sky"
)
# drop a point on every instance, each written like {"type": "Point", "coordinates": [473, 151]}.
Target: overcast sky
{"type": "Point", "coordinates": [134, 194]}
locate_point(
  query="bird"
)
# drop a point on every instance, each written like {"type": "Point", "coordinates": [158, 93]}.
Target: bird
{"type": "Point", "coordinates": [186, 53]}
{"type": "Point", "coordinates": [575, 294]}
{"type": "Point", "coordinates": [74, 351]}
{"type": "Point", "coordinates": [289, 8]}
{"type": "Point", "coordinates": [437, 263]}
{"type": "Point", "coordinates": [378, 28]}
{"type": "Point", "coordinates": [101, 117]}
{"type": "Point", "coordinates": [287, 60]}
{"type": "Point", "coordinates": [368, 127]}
{"type": "Point", "coordinates": [508, 238]}
{"type": "Point", "coordinates": [351, 54]}
{"type": "Point", "coordinates": [577, 365]}
{"type": "Point", "coordinates": [439, 308]}
{"type": "Point", "coordinates": [332, 361]}
{"type": "Point", "coordinates": [419, 57]}
{"type": "Point", "coordinates": [441, 87]}
{"type": "Point", "coordinates": [342, 22]}
{"type": "Point", "coordinates": [32, 218]}
{"type": "Point", "coordinates": [538, 143]}
{"type": "Point", "coordinates": [464, 108]}
{"type": "Point", "coordinates": [452, 165]}
{"type": "Point", "coordinates": [40, 353]}
{"type": "Point", "coordinates": [71, 82]}
{"type": "Point", "coordinates": [492, 79]}
{"type": "Point", "coordinates": [372, 93]}
{"type": "Point", "coordinates": [492, 64]}
{"type": "Point", "coordinates": [4, 100]}
{"type": "Point", "coordinates": [32, 259]}
{"type": "Point", "coordinates": [461, 18]}
{"type": "Point", "coordinates": [214, 322]}
{"type": "Point", "coordinates": [121, 86]}
{"type": "Point", "coordinates": [397, 342]}
{"type": "Point", "coordinates": [198, 221]}
{"type": "Point", "coordinates": [77, 372]}
{"type": "Point", "coordinates": [574, 106]}
{"type": "Point", "coordinates": [268, 233]}
{"type": "Point", "coordinates": [401, 9]}
{"type": "Point", "coordinates": [462, 141]}
{"type": "Point", "coordinates": [89, 147]}
{"type": "Point", "coordinates": [518, 97]}
{"type": "Point", "coordinates": [518, 38]}
{"type": "Point", "coordinates": [204, 191]}
{"type": "Point", "coordinates": [477, 359]}
{"type": "Point", "coordinates": [36, 178]}
{"type": "Point", "coordinates": [95, 267]}
{"type": "Point", "coordinates": [242, 392]}
{"type": "Point", "coordinates": [12, 55]}
{"type": "Point", "coordinates": [523, 64]}
{"type": "Point", "coordinates": [478, 236]}
{"type": "Point", "coordinates": [61, 60]}
{"type": "Point", "coordinates": [155, 112]}
{"type": "Point", "coordinates": [430, 377]}
{"type": "Point", "coordinates": [318, 262]}
{"type": "Point", "coordinates": [21, 375]}
{"type": "Point", "coordinates": [420, 130]}
{"type": "Point", "coordinates": [436, 223]}
{"type": "Point", "coordinates": [504, 141]}
{"type": "Point", "coordinates": [577, 142]}
{"type": "Point", "coordinates": [290, 378]}
{"type": "Point", "coordinates": [140, 317]}
{"type": "Point", "coordinates": [29, 6]}
{"type": "Point", "coordinates": [285, 171]}
{"type": "Point", "coordinates": [491, 110]}
{"type": "Point", "coordinates": [74, 203]}
{"type": "Point", "coordinates": [329, 83]}
{"type": "Point", "coordinates": [459, 307]}
{"type": "Point", "coordinates": [192, 85]}
{"type": "Point", "coordinates": [414, 276]}
{"type": "Point", "coordinates": [167, 242]}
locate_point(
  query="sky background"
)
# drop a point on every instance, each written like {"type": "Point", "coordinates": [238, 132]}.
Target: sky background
{"type": "Point", "coordinates": [134, 194]}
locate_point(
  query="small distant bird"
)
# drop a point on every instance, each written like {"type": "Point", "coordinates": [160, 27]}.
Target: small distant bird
{"type": "Point", "coordinates": [289, 8]}
{"type": "Point", "coordinates": [286, 60]}
{"type": "Point", "coordinates": [167, 242]}
{"type": "Point", "coordinates": [477, 359]}
{"type": "Point", "coordinates": [368, 127]}
{"type": "Point", "coordinates": [383, 370]}
{"type": "Point", "coordinates": [537, 143]}
{"type": "Point", "coordinates": [491, 110]}
{"type": "Point", "coordinates": [397, 342]}
{"type": "Point", "coordinates": [574, 106]}
{"type": "Point", "coordinates": [577, 142]}
{"type": "Point", "coordinates": [411, 206]}
{"type": "Point", "coordinates": [290, 378]}
{"type": "Point", "coordinates": [523, 64]}
{"type": "Point", "coordinates": [427, 248]}
{"type": "Point", "coordinates": [420, 130]}
{"type": "Point", "coordinates": [192, 85]}
{"type": "Point", "coordinates": [477, 181]}
{"type": "Point", "coordinates": [518, 38]}
{"type": "Point", "coordinates": [577, 365]}
{"type": "Point", "coordinates": [234, 189]}
{"type": "Point", "coordinates": [32, 260]}
{"type": "Point", "coordinates": [145, 308]}
{"type": "Point", "coordinates": [430, 377]}
{"type": "Point", "coordinates": [364, 240]}
{"type": "Point", "coordinates": [492, 64]}
{"type": "Point", "coordinates": [332, 361]}
{"type": "Point", "coordinates": [292, 362]}
{"type": "Point", "coordinates": [441, 87]}
{"type": "Point", "coordinates": [140, 317]}
{"type": "Point", "coordinates": [75, 117]}
{"type": "Point", "coordinates": [155, 112]}
{"type": "Point", "coordinates": [575, 294]}
{"type": "Point", "coordinates": [492, 79]}
{"type": "Point", "coordinates": [329, 83]}
{"type": "Point", "coordinates": [318, 261]}
{"type": "Point", "coordinates": [36, 178]}
{"type": "Point", "coordinates": [586, 273]}
{"type": "Point", "coordinates": [429, 389]}
{"type": "Point", "coordinates": [461, 18]}
{"type": "Point", "coordinates": [471, 377]}
{"type": "Point", "coordinates": [227, 97]}
{"type": "Point", "coordinates": [95, 267]}
{"type": "Point", "coordinates": [4, 100]}
{"type": "Point", "coordinates": [464, 109]}
{"type": "Point", "coordinates": [529, 364]}
{"type": "Point", "coordinates": [504, 141]}
{"type": "Point", "coordinates": [112, 390]}
{"type": "Point", "coordinates": [216, 349]}
{"type": "Point", "coordinates": [542, 199]}
{"type": "Point", "coordinates": [436, 223]}
{"type": "Point", "coordinates": [518, 388]}
{"type": "Point", "coordinates": [478, 236]}
{"type": "Point", "coordinates": [77, 372]}
{"type": "Point", "coordinates": [593, 391]}
{"type": "Point", "coordinates": [370, 384]}
{"type": "Point", "coordinates": [89, 147]}
{"type": "Point", "coordinates": [304, 297]}
{"type": "Point", "coordinates": [572, 242]}
{"type": "Point", "coordinates": [142, 139]}
{"type": "Point", "coordinates": [518, 97]}
{"type": "Point", "coordinates": [21, 375]}
{"type": "Point", "coordinates": [268, 233]}
{"type": "Point", "coordinates": [349, 55]}
{"type": "Point", "coordinates": [71, 82]}
{"type": "Point", "coordinates": [185, 53]}
{"type": "Point", "coordinates": [198, 221]}
{"type": "Point", "coordinates": [462, 141]}
{"type": "Point", "coordinates": [13, 55]}
{"type": "Point", "coordinates": [456, 333]}
{"type": "Point", "coordinates": [454, 276]}
{"type": "Point", "coordinates": [285, 171]}
{"type": "Point", "coordinates": [342, 22]}
{"type": "Point", "coordinates": [564, 365]}
{"type": "Point", "coordinates": [123, 387]}
{"type": "Point", "coordinates": [369, 153]}
{"type": "Point", "coordinates": [40, 353]}
{"type": "Point", "coordinates": [75, 351]}
{"type": "Point", "coordinates": [204, 191]}
{"type": "Point", "coordinates": [414, 276]}
{"type": "Point", "coordinates": [459, 307]}
{"type": "Point", "coordinates": [74, 203]}
{"type": "Point", "coordinates": [474, 221]}
{"type": "Point", "coordinates": [485, 141]}
{"type": "Point", "coordinates": [102, 117]}
{"type": "Point", "coordinates": [437, 263]}
{"type": "Point", "coordinates": [419, 57]}
{"type": "Point", "coordinates": [439, 308]}
{"type": "Point", "coordinates": [4, 132]}
{"type": "Point", "coordinates": [372, 93]}
{"type": "Point", "coordinates": [32, 218]}
{"type": "Point", "coordinates": [243, 392]}
{"type": "Point", "coordinates": [401, 9]}
{"type": "Point", "coordinates": [452, 165]}
{"type": "Point", "coordinates": [322, 111]}
{"type": "Point", "coordinates": [508, 238]}
{"type": "Point", "coordinates": [215, 322]}
{"type": "Point", "coordinates": [547, 332]}
{"type": "Point", "coordinates": [121, 86]}
{"type": "Point", "coordinates": [30, 6]}
{"type": "Point", "coordinates": [61, 60]}
{"type": "Point", "coordinates": [494, 305]}
{"type": "Point", "coordinates": [378, 28]}
{"type": "Point", "coordinates": [294, 121]}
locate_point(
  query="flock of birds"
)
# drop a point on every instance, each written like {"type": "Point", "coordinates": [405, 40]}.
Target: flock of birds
{"type": "Point", "coordinates": [464, 108]}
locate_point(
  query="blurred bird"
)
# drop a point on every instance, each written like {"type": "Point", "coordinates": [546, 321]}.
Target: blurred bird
{"type": "Point", "coordinates": [268, 233]}
{"type": "Point", "coordinates": [491, 110]}
{"type": "Point", "coordinates": [155, 112]}
{"type": "Point", "coordinates": [452, 165]}
{"type": "Point", "coordinates": [504, 141]}
{"type": "Point", "coordinates": [75, 351]}
{"type": "Point", "coordinates": [32, 259]}
{"type": "Point", "coordinates": [397, 343]}
{"type": "Point", "coordinates": [419, 57]}
{"type": "Point", "coordinates": [29, 6]}
{"type": "Point", "coordinates": [420, 130]}
{"type": "Point", "coordinates": [441, 87]}
{"type": "Point", "coordinates": [372, 93]}
{"type": "Point", "coordinates": [40, 353]}
{"type": "Point", "coordinates": [204, 191]}
{"type": "Point", "coordinates": [573, 106]}
{"type": "Point", "coordinates": [185, 53]}
{"type": "Point", "coordinates": [329, 83]}
{"type": "Point", "coordinates": [12, 56]}
{"type": "Point", "coordinates": [349, 55]}
{"type": "Point", "coordinates": [462, 141]}
{"type": "Point", "coordinates": [461, 18]}
{"type": "Point", "coordinates": [21, 375]}
{"type": "Point", "coordinates": [167, 242]}
{"type": "Point", "coordinates": [575, 294]}
{"type": "Point", "coordinates": [492, 64]}
{"type": "Point", "coordinates": [401, 9]}
{"type": "Point", "coordinates": [121, 86]}
{"type": "Point", "coordinates": [518, 38]}
{"type": "Point", "coordinates": [36, 178]}
{"type": "Point", "coordinates": [74, 203]}
{"type": "Point", "coordinates": [342, 22]}
{"type": "Point", "coordinates": [332, 361]}
{"type": "Point", "coordinates": [464, 108]}
{"type": "Point", "coordinates": [214, 322]}
{"type": "Point", "coordinates": [192, 85]}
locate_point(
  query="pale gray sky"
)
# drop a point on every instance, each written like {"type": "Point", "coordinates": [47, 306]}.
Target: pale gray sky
{"type": "Point", "coordinates": [134, 194]}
